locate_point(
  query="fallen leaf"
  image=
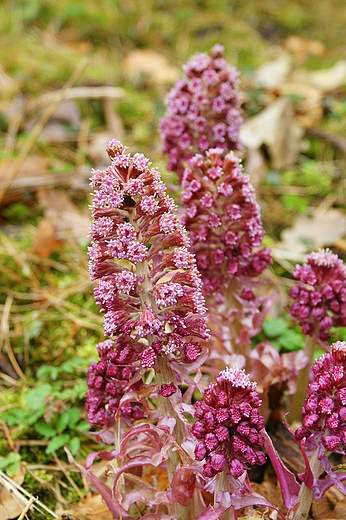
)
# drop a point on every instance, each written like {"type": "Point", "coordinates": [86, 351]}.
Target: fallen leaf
{"type": "Point", "coordinates": [323, 229]}
{"type": "Point", "coordinates": [91, 508]}
{"type": "Point", "coordinates": [340, 510]}
{"type": "Point", "coordinates": [45, 241]}
{"type": "Point", "coordinates": [9, 503]}
{"type": "Point", "coordinates": [308, 107]}
{"type": "Point", "coordinates": [255, 167]}
{"type": "Point", "coordinates": [273, 73]}
{"type": "Point", "coordinates": [321, 509]}
{"type": "Point", "coordinates": [326, 80]}
{"type": "Point", "coordinates": [68, 220]}
{"type": "Point", "coordinates": [149, 65]}
{"type": "Point", "coordinates": [302, 48]}
{"type": "Point", "coordinates": [272, 493]}
{"type": "Point", "coordinates": [274, 127]}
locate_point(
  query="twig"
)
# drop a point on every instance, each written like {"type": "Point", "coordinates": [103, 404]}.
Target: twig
{"type": "Point", "coordinates": [19, 161]}
{"type": "Point", "coordinates": [8, 435]}
{"type": "Point", "coordinates": [27, 508]}
{"type": "Point", "coordinates": [71, 481]}
{"type": "Point", "coordinates": [13, 360]}
{"type": "Point", "coordinates": [104, 92]}
{"type": "Point", "coordinates": [19, 493]}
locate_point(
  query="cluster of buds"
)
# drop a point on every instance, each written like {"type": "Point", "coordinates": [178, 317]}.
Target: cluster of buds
{"type": "Point", "coordinates": [149, 287]}
{"type": "Point", "coordinates": [224, 222]}
{"type": "Point", "coordinates": [203, 110]}
{"type": "Point", "coordinates": [229, 425]}
{"type": "Point", "coordinates": [324, 411]}
{"type": "Point", "coordinates": [320, 296]}
{"type": "Point", "coordinates": [108, 380]}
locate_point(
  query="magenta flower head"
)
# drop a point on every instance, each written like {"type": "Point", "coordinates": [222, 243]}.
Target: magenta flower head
{"type": "Point", "coordinates": [228, 426]}
{"type": "Point", "coordinates": [320, 297]}
{"type": "Point", "coordinates": [108, 381]}
{"type": "Point", "coordinates": [203, 110]}
{"type": "Point", "coordinates": [224, 221]}
{"type": "Point", "coordinates": [324, 411]}
{"type": "Point", "coordinates": [149, 287]}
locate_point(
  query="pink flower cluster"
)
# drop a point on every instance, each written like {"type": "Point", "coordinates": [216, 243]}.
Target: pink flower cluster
{"type": "Point", "coordinates": [321, 296]}
{"type": "Point", "coordinates": [203, 110]}
{"type": "Point", "coordinates": [149, 287]}
{"type": "Point", "coordinates": [324, 411]}
{"type": "Point", "coordinates": [108, 381]}
{"type": "Point", "coordinates": [228, 426]}
{"type": "Point", "coordinates": [224, 222]}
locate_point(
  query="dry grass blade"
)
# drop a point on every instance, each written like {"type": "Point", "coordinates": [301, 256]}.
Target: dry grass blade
{"type": "Point", "coordinates": [38, 129]}
{"type": "Point", "coordinates": [22, 495]}
{"type": "Point", "coordinates": [104, 92]}
{"type": "Point", "coordinates": [71, 481]}
{"type": "Point", "coordinates": [27, 508]}
{"type": "Point", "coordinates": [4, 319]}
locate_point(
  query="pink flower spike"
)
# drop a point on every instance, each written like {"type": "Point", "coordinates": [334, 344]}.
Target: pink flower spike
{"type": "Point", "coordinates": [219, 445]}
{"type": "Point", "coordinates": [137, 242]}
{"type": "Point", "coordinates": [318, 304]}
{"type": "Point", "coordinates": [203, 110]}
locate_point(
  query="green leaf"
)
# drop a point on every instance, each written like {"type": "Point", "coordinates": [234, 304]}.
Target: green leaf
{"type": "Point", "coordinates": [45, 429]}
{"type": "Point", "coordinates": [292, 340]}
{"type": "Point", "coordinates": [74, 415]}
{"type": "Point", "coordinates": [56, 443]}
{"type": "Point", "coordinates": [47, 372]}
{"type": "Point", "coordinates": [11, 464]}
{"type": "Point", "coordinates": [35, 397]}
{"type": "Point", "coordinates": [83, 426]}
{"type": "Point", "coordinates": [74, 445]}
{"type": "Point", "coordinates": [274, 327]}
{"type": "Point", "coordinates": [63, 421]}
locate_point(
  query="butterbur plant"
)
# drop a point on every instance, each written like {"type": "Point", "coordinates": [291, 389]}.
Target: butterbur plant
{"type": "Point", "coordinates": [156, 392]}
{"type": "Point", "coordinates": [203, 110]}
{"type": "Point", "coordinates": [225, 229]}
{"type": "Point", "coordinates": [319, 304]}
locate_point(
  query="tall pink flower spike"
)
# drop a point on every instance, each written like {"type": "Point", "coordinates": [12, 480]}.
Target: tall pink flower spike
{"type": "Point", "coordinates": [203, 110]}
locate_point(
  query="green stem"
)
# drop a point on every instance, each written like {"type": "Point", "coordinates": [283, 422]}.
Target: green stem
{"type": "Point", "coordinates": [302, 382]}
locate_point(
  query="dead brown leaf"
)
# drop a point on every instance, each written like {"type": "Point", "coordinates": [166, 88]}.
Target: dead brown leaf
{"type": "Point", "coordinates": [325, 80]}
{"type": "Point", "coordinates": [255, 167]}
{"type": "Point", "coordinates": [274, 127]}
{"type": "Point", "coordinates": [91, 508]}
{"type": "Point", "coordinates": [148, 65]}
{"type": "Point", "coordinates": [272, 493]}
{"type": "Point", "coordinates": [308, 110]}
{"type": "Point", "coordinates": [273, 73]}
{"type": "Point", "coordinates": [302, 48]}
{"type": "Point", "coordinates": [10, 507]}
{"type": "Point", "coordinates": [340, 510]}
{"type": "Point", "coordinates": [321, 509]}
{"type": "Point", "coordinates": [323, 229]}
{"type": "Point", "coordinates": [45, 241]}
{"type": "Point", "coordinates": [67, 219]}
